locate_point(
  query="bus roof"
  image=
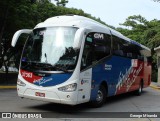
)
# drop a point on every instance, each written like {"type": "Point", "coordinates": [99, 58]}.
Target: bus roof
{"type": "Point", "coordinates": [83, 22]}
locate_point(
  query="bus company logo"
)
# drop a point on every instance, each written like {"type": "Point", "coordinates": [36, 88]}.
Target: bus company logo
{"type": "Point", "coordinates": [108, 67]}
{"type": "Point", "coordinates": [42, 81]}
{"type": "Point", "coordinates": [27, 74]}
{"type": "Point", "coordinates": [84, 81]}
{"type": "Point", "coordinates": [98, 36]}
{"type": "Point", "coordinates": [128, 78]}
{"type": "Point", "coordinates": [134, 76]}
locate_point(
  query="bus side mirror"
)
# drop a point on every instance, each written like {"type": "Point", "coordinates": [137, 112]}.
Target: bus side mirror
{"type": "Point", "coordinates": [79, 36]}
{"type": "Point", "coordinates": [17, 34]}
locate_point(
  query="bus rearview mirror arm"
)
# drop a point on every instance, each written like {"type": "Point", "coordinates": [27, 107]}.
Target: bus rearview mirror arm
{"type": "Point", "coordinates": [17, 34]}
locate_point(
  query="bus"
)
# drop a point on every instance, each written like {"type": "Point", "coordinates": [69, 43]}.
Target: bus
{"type": "Point", "coordinates": [72, 59]}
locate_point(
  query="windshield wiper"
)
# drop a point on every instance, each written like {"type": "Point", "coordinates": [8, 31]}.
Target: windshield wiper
{"type": "Point", "coordinates": [48, 65]}
{"type": "Point", "coordinates": [37, 64]}
{"type": "Point", "coordinates": [61, 69]}
{"type": "Point", "coordinates": [44, 65]}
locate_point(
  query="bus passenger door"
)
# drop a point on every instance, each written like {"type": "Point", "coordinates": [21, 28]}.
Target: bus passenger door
{"type": "Point", "coordinates": [86, 71]}
{"type": "Point", "coordinates": [85, 86]}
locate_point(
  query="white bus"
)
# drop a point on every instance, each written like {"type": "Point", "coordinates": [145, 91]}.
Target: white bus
{"type": "Point", "coordinates": [72, 59]}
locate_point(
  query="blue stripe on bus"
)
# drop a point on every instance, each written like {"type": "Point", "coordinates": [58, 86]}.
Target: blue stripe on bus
{"type": "Point", "coordinates": [52, 80]}
{"type": "Point", "coordinates": [109, 71]}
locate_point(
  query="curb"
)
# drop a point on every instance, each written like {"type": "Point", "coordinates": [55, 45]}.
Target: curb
{"type": "Point", "coordinates": [8, 87]}
{"type": "Point", "coordinates": [154, 87]}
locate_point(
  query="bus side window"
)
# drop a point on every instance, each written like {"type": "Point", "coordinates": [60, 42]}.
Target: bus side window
{"type": "Point", "coordinates": [87, 53]}
{"type": "Point", "coordinates": [102, 46]}
{"type": "Point", "coordinates": [119, 52]}
{"type": "Point", "coordinates": [118, 46]}
{"type": "Point", "coordinates": [129, 55]}
{"type": "Point", "coordinates": [97, 46]}
{"type": "Point", "coordinates": [101, 52]}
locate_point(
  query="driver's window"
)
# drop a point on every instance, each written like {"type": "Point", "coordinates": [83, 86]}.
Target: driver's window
{"type": "Point", "coordinates": [87, 53]}
{"type": "Point", "coordinates": [97, 46]}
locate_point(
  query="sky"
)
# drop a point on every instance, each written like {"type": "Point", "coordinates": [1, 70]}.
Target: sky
{"type": "Point", "coordinates": [114, 12]}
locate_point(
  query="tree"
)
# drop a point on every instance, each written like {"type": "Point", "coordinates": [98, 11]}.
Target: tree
{"type": "Point", "coordinates": [144, 32]}
{"type": "Point", "coordinates": [141, 30]}
{"type": "Point", "coordinates": [13, 14]}
{"type": "Point", "coordinates": [136, 26]}
{"type": "Point", "coordinates": [61, 3]}
{"type": "Point", "coordinates": [39, 1]}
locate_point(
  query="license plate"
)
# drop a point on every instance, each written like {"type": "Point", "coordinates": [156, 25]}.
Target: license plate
{"type": "Point", "coordinates": [40, 94]}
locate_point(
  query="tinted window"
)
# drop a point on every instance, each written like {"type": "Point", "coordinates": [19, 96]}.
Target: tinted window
{"type": "Point", "coordinates": [126, 49]}
{"type": "Point", "coordinates": [97, 46]}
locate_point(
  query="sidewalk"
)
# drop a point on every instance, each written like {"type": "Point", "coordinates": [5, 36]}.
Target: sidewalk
{"type": "Point", "coordinates": [155, 85]}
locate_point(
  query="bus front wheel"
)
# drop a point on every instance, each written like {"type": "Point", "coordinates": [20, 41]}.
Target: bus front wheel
{"type": "Point", "coordinates": [100, 98]}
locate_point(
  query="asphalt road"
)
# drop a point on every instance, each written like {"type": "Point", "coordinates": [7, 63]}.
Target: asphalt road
{"type": "Point", "coordinates": [149, 101]}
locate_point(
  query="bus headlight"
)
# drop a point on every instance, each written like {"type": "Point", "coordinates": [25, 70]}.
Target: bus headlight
{"type": "Point", "coordinates": [68, 88]}
{"type": "Point", "coordinates": [20, 83]}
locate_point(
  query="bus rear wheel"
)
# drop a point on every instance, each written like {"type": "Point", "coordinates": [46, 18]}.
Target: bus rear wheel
{"type": "Point", "coordinates": [100, 98]}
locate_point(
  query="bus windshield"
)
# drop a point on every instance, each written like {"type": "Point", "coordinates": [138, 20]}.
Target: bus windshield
{"type": "Point", "coordinates": [50, 49]}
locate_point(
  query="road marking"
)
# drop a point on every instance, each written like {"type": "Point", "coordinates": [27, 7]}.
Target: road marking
{"type": "Point", "coordinates": [8, 87]}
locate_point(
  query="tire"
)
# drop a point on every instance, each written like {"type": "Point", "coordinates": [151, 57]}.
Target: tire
{"type": "Point", "coordinates": [100, 98]}
{"type": "Point", "coordinates": [140, 89]}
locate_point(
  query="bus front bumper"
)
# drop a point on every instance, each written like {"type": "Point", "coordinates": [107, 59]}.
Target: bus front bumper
{"type": "Point", "coordinates": [48, 96]}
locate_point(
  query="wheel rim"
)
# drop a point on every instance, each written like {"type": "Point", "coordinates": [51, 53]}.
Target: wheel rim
{"type": "Point", "coordinates": [99, 96]}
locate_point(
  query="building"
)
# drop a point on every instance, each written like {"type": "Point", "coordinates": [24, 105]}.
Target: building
{"type": "Point", "coordinates": [157, 50]}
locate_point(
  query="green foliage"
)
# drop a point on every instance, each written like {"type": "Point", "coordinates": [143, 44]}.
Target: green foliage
{"type": "Point", "coordinates": [62, 2]}
{"type": "Point", "coordinates": [141, 30]}
{"type": "Point", "coordinates": [144, 32]}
